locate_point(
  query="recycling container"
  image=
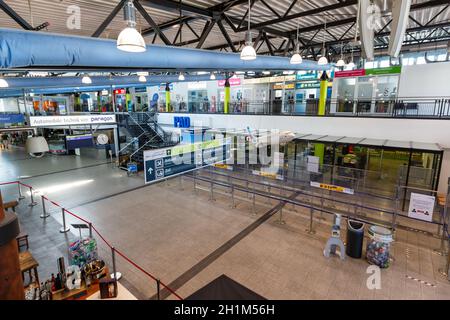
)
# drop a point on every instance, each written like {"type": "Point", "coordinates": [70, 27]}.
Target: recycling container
{"type": "Point", "coordinates": [378, 246]}
{"type": "Point", "coordinates": [355, 238]}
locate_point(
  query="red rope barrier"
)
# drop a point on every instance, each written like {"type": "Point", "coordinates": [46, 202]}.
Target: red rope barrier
{"type": "Point", "coordinates": [26, 185]}
{"type": "Point", "coordinates": [6, 183]}
{"type": "Point", "coordinates": [100, 235]}
{"type": "Point", "coordinates": [147, 273]}
{"type": "Point", "coordinates": [78, 217]}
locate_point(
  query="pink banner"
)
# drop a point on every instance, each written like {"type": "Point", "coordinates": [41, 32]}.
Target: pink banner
{"type": "Point", "coordinates": [350, 73]}
{"type": "Point", "coordinates": [233, 82]}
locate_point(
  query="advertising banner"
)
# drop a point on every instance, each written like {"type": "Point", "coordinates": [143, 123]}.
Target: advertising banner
{"type": "Point", "coordinates": [233, 82]}
{"type": "Point", "coordinates": [12, 118]}
{"type": "Point", "coordinates": [421, 207]}
{"type": "Point", "coordinates": [45, 121]}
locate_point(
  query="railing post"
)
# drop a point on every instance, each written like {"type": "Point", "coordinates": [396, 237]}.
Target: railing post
{"type": "Point", "coordinates": [21, 196]}
{"type": "Point", "coordinates": [115, 273]}
{"type": "Point", "coordinates": [90, 230]}
{"type": "Point", "coordinates": [233, 204]}
{"type": "Point", "coordinates": [32, 202]}
{"type": "Point", "coordinates": [254, 199]}
{"type": "Point", "coordinates": [158, 289]}
{"type": "Point", "coordinates": [194, 173]}
{"type": "Point", "coordinates": [441, 250]}
{"type": "Point", "coordinates": [311, 216]}
{"type": "Point", "coordinates": [44, 214]}
{"type": "Point", "coordinates": [397, 207]}
{"type": "Point", "coordinates": [64, 228]}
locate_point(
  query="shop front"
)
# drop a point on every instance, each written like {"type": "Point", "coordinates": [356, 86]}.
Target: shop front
{"type": "Point", "coordinates": [371, 91]}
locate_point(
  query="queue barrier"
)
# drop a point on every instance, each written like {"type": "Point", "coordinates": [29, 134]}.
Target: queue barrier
{"type": "Point", "coordinates": [65, 229]}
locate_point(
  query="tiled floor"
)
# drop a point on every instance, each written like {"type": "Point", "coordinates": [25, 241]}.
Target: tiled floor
{"type": "Point", "coordinates": [186, 240]}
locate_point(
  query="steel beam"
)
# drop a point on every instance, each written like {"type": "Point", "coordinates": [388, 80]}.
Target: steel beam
{"type": "Point", "coordinates": [15, 16]}
{"type": "Point", "coordinates": [151, 22]}
{"type": "Point", "coordinates": [108, 19]}
{"type": "Point", "coordinates": [226, 35]}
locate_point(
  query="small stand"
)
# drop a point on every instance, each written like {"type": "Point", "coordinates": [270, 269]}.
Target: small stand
{"type": "Point", "coordinates": [335, 240]}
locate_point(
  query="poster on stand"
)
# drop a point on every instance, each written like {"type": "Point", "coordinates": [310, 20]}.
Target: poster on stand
{"type": "Point", "coordinates": [313, 164]}
{"type": "Point", "coordinates": [421, 206]}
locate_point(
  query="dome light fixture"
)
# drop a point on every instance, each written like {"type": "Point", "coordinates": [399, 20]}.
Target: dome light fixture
{"type": "Point", "coordinates": [297, 58]}
{"type": "Point", "coordinates": [341, 62]}
{"type": "Point", "coordinates": [3, 83]}
{"type": "Point", "coordinates": [248, 53]}
{"type": "Point", "coordinates": [212, 76]}
{"type": "Point", "coordinates": [130, 40]}
{"type": "Point", "coordinates": [86, 79]}
{"type": "Point", "coordinates": [181, 77]}
{"type": "Point", "coordinates": [142, 79]}
{"type": "Point", "coordinates": [323, 59]}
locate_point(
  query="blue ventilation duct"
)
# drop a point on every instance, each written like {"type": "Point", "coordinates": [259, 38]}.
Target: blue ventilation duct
{"type": "Point", "coordinates": [29, 49]}
{"type": "Point", "coordinates": [123, 81]}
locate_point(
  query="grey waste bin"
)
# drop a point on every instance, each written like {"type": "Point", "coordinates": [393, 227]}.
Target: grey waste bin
{"type": "Point", "coordinates": [355, 238]}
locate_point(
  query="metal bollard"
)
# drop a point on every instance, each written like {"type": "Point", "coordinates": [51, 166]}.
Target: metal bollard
{"type": "Point", "coordinates": [268, 191]}
{"type": "Point", "coordinates": [446, 270]}
{"type": "Point", "coordinates": [21, 196]}
{"type": "Point", "coordinates": [212, 192]}
{"type": "Point", "coordinates": [32, 202]}
{"type": "Point", "coordinates": [280, 220]}
{"type": "Point", "coordinates": [397, 208]}
{"type": "Point", "coordinates": [64, 228]}
{"type": "Point", "coordinates": [311, 213]}
{"type": "Point", "coordinates": [44, 214]}
{"type": "Point", "coordinates": [195, 181]}
{"type": "Point", "coordinates": [115, 273]}
{"type": "Point", "coordinates": [233, 204]}
{"type": "Point", "coordinates": [158, 289]}
{"type": "Point", "coordinates": [253, 201]}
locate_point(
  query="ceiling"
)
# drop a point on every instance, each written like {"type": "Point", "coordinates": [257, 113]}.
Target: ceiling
{"type": "Point", "coordinates": [221, 25]}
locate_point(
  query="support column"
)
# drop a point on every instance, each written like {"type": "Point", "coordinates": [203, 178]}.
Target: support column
{"type": "Point", "coordinates": [319, 148]}
{"type": "Point", "coordinates": [167, 97]}
{"type": "Point", "coordinates": [11, 287]}
{"type": "Point", "coordinates": [227, 94]}
{"type": "Point", "coordinates": [128, 101]}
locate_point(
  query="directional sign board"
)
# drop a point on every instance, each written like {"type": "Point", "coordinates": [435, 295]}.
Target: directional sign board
{"type": "Point", "coordinates": [163, 163]}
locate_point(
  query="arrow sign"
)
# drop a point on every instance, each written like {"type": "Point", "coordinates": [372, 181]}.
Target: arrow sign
{"type": "Point", "coordinates": [150, 171]}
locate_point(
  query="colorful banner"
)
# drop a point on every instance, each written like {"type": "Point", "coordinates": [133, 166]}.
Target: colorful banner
{"type": "Point", "coordinates": [233, 82]}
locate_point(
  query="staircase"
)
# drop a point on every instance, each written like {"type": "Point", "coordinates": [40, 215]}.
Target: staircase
{"type": "Point", "coordinates": [143, 133]}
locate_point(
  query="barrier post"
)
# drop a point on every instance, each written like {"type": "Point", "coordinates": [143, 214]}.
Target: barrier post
{"type": "Point", "coordinates": [233, 204]}
{"type": "Point", "coordinates": [280, 220]}
{"type": "Point", "coordinates": [268, 191]}
{"type": "Point", "coordinates": [253, 201]}
{"type": "Point", "coordinates": [158, 289]}
{"type": "Point", "coordinates": [44, 214]}
{"type": "Point", "coordinates": [212, 191]}
{"type": "Point", "coordinates": [90, 230]}
{"type": "Point", "coordinates": [397, 207]}
{"type": "Point", "coordinates": [441, 250]}
{"type": "Point", "coordinates": [21, 196]}
{"type": "Point", "coordinates": [64, 229]}
{"type": "Point", "coordinates": [32, 202]}
{"type": "Point", "coordinates": [311, 216]}
{"type": "Point", "coordinates": [446, 270]}
{"type": "Point", "coordinates": [113, 257]}
{"type": "Point", "coordinates": [194, 173]}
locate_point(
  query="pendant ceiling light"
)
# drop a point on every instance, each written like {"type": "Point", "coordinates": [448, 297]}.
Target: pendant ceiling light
{"type": "Point", "coordinates": [341, 61]}
{"type": "Point", "coordinates": [86, 79]}
{"type": "Point", "coordinates": [213, 76]}
{"type": "Point", "coordinates": [142, 79]}
{"type": "Point", "coordinates": [181, 77]}
{"type": "Point", "coordinates": [248, 53]}
{"type": "Point", "coordinates": [297, 58]}
{"type": "Point", "coordinates": [130, 39]}
{"type": "Point", "coordinates": [323, 59]}
{"type": "Point", "coordinates": [3, 83]}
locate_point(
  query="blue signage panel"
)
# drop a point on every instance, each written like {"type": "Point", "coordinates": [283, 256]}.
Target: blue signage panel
{"type": "Point", "coordinates": [164, 163]}
{"type": "Point", "coordinates": [12, 118]}
{"type": "Point", "coordinates": [181, 122]}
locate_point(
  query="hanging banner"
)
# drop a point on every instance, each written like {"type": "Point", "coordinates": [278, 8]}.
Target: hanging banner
{"type": "Point", "coordinates": [421, 207]}
{"type": "Point", "coordinates": [12, 118]}
{"type": "Point", "coordinates": [332, 187]}
{"type": "Point", "coordinates": [71, 120]}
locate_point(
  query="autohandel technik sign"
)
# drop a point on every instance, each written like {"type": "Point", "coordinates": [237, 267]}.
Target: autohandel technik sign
{"type": "Point", "coordinates": [71, 120]}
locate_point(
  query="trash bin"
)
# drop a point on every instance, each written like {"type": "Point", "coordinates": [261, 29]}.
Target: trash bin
{"type": "Point", "coordinates": [355, 238]}
{"type": "Point", "coordinates": [378, 246]}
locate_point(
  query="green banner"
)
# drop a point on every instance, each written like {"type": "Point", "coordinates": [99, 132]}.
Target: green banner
{"type": "Point", "coordinates": [388, 70]}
